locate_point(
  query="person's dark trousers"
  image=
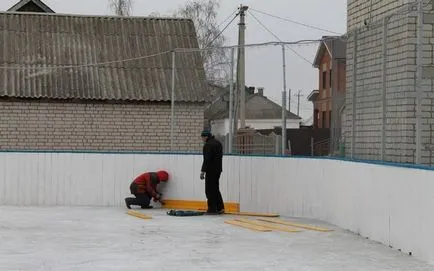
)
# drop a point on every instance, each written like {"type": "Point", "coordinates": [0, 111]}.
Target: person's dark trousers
{"type": "Point", "coordinates": [212, 192]}
{"type": "Point", "coordinates": [142, 200]}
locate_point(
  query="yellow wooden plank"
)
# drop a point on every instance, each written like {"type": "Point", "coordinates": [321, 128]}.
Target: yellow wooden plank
{"type": "Point", "coordinates": [245, 213]}
{"type": "Point", "coordinates": [197, 205]}
{"type": "Point", "coordinates": [268, 225]}
{"type": "Point", "coordinates": [138, 214]}
{"type": "Point", "coordinates": [297, 225]}
{"type": "Point", "coordinates": [252, 214]}
{"type": "Point", "coordinates": [247, 226]}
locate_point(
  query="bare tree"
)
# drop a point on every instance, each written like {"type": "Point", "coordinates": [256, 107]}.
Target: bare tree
{"type": "Point", "coordinates": [121, 7]}
{"type": "Point", "coordinates": [155, 14]}
{"type": "Point", "coordinates": [204, 15]}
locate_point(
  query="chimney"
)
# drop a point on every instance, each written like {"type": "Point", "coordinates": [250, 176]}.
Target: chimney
{"type": "Point", "coordinates": [261, 91]}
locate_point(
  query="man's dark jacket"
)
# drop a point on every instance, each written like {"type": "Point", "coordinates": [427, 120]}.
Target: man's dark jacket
{"type": "Point", "coordinates": [212, 156]}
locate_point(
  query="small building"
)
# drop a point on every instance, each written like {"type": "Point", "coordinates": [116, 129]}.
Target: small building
{"type": "Point", "coordinates": [31, 6]}
{"type": "Point", "coordinates": [73, 82]}
{"type": "Point", "coordinates": [261, 113]}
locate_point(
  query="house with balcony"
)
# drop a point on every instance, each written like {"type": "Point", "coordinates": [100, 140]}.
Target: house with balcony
{"type": "Point", "coordinates": [329, 99]}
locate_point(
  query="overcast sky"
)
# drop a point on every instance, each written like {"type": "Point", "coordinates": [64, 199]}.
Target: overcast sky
{"type": "Point", "coordinates": [264, 65]}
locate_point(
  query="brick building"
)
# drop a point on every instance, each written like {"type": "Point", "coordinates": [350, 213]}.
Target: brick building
{"type": "Point", "coordinates": [384, 126]}
{"type": "Point", "coordinates": [51, 98]}
{"type": "Point", "coordinates": [329, 99]}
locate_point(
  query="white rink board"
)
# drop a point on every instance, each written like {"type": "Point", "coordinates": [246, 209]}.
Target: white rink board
{"type": "Point", "coordinates": [92, 179]}
{"type": "Point", "coordinates": [392, 205]}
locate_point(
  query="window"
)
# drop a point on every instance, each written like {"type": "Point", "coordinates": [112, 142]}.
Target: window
{"type": "Point", "coordinates": [324, 79]}
{"type": "Point", "coordinates": [316, 118]}
{"type": "Point", "coordinates": [330, 78]}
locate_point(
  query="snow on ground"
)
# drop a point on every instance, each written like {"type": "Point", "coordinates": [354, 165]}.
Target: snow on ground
{"type": "Point", "coordinates": [85, 238]}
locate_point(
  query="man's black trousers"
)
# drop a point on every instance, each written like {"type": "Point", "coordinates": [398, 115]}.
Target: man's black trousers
{"type": "Point", "coordinates": [212, 191]}
{"type": "Point", "coordinates": [142, 200]}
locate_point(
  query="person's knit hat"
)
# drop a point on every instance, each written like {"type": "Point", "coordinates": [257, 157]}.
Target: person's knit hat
{"type": "Point", "coordinates": [163, 176]}
{"type": "Point", "coordinates": [205, 133]}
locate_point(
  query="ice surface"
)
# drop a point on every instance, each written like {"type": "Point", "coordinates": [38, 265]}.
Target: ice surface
{"type": "Point", "coordinates": [109, 239]}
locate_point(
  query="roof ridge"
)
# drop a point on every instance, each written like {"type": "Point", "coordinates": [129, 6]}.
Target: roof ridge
{"type": "Point", "coordinates": [221, 113]}
{"type": "Point", "coordinates": [95, 16]}
{"type": "Point", "coordinates": [38, 3]}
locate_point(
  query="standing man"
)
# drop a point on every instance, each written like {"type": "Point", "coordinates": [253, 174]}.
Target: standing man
{"type": "Point", "coordinates": [144, 188]}
{"type": "Point", "coordinates": [211, 171]}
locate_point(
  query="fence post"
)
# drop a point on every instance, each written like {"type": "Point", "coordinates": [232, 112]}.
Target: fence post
{"type": "Point", "coordinates": [418, 85]}
{"type": "Point", "coordinates": [276, 144]}
{"type": "Point", "coordinates": [384, 92]}
{"type": "Point", "coordinates": [311, 146]}
{"type": "Point", "coordinates": [172, 114]}
{"type": "Point", "coordinates": [227, 147]}
{"type": "Point", "coordinates": [283, 122]}
{"type": "Point", "coordinates": [354, 102]}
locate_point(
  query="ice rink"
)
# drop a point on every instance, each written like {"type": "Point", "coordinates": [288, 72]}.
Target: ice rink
{"type": "Point", "coordinates": [84, 238]}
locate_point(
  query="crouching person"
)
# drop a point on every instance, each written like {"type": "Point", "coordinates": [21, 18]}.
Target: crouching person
{"type": "Point", "coordinates": [144, 188]}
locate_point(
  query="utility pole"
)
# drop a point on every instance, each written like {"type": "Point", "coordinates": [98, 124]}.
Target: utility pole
{"type": "Point", "coordinates": [283, 122]}
{"type": "Point", "coordinates": [298, 102]}
{"type": "Point", "coordinates": [284, 102]}
{"type": "Point", "coordinates": [241, 66]}
{"type": "Point", "coordinates": [231, 102]}
{"type": "Point", "coordinates": [289, 100]}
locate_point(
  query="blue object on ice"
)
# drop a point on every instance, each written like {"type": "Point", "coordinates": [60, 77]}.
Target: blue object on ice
{"type": "Point", "coordinates": [184, 213]}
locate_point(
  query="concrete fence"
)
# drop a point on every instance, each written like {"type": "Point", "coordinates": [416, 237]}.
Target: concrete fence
{"type": "Point", "coordinates": [389, 204]}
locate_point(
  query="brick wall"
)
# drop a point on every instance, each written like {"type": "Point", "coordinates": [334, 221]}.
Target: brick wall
{"type": "Point", "coordinates": [323, 103]}
{"type": "Point", "coordinates": [360, 10]}
{"type": "Point", "coordinates": [400, 82]}
{"type": "Point", "coordinates": [47, 125]}
{"type": "Point", "coordinates": [340, 81]}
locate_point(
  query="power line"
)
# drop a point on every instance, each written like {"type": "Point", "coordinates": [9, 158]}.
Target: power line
{"type": "Point", "coordinates": [271, 32]}
{"type": "Point", "coordinates": [270, 43]}
{"type": "Point", "coordinates": [83, 65]}
{"type": "Point", "coordinates": [295, 22]}
{"type": "Point", "coordinates": [221, 32]}
{"type": "Point", "coordinates": [22, 66]}
{"type": "Point", "coordinates": [227, 18]}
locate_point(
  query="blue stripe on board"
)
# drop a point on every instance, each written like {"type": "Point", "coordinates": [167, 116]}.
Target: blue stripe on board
{"type": "Point", "coordinates": [372, 162]}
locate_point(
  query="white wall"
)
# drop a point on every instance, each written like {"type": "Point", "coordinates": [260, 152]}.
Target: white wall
{"type": "Point", "coordinates": [96, 179]}
{"type": "Point", "coordinates": [392, 205]}
{"type": "Point", "coordinates": [221, 127]}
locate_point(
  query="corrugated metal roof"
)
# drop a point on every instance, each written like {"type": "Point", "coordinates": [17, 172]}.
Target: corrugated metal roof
{"type": "Point", "coordinates": [37, 43]}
